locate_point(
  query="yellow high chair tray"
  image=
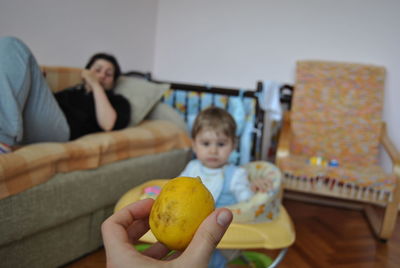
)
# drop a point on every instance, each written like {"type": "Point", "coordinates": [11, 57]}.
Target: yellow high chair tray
{"type": "Point", "coordinates": [276, 234]}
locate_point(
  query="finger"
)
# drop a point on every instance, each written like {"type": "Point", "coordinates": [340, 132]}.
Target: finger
{"type": "Point", "coordinates": [114, 229]}
{"type": "Point", "coordinates": [207, 237]}
{"type": "Point", "coordinates": [156, 251]}
{"type": "Point", "coordinates": [138, 210]}
{"type": "Point", "coordinates": [137, 229]}
{"type": "Point", "coordinates": [173, 256]}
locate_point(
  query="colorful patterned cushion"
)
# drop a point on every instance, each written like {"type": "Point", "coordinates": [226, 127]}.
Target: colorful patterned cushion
{"type": "Point", "coordinates": [337, 110]}
{"type": "Point", "coordinates": [353, 143]}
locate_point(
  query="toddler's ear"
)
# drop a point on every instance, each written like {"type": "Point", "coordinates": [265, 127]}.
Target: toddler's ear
{"type": "Point", "coordinates": [235, 140]}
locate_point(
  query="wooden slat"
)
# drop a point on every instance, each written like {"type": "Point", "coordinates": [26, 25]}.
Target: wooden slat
{"type": "Point", "coordinates": [339, 193]}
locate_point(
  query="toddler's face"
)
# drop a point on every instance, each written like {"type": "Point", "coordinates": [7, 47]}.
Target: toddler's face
{"type": "Point", "coordinates": [212, 148]}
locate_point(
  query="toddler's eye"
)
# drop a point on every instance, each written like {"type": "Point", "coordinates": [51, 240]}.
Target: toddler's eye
{"type": "Point", "coordinates": [221, 144]}
{"type": "Point", "coordinates": [205, 143]}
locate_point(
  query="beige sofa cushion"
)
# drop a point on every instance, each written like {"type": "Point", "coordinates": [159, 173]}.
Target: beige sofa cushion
{"type": "Point", "coordinates": [37, 163]}
{"type": "Point", "coordinates": [142, 95]}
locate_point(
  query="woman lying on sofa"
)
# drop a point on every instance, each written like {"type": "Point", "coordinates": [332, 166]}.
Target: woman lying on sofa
{"type": "Point", "coordinates": [29, 112]}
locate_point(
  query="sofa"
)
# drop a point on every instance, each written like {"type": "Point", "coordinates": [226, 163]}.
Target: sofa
{"type": "Point", "coordinates": [55, 196]}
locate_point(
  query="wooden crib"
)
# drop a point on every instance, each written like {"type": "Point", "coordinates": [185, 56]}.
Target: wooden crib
{"type": "Point", "coordinates": [188, 99]}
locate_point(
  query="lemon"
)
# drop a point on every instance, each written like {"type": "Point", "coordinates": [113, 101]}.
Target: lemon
{"type": "Point", "coordinates": [178, 211]}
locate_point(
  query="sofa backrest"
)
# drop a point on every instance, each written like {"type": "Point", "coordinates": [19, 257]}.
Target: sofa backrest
{"type": "Point", "coordinates": [59, 78]}
{"type": "Point", "coordinates": [143, 95]}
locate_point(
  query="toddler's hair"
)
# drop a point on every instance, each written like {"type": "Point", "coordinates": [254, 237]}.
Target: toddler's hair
{"type": "Point", "coordinates": [216, 119]}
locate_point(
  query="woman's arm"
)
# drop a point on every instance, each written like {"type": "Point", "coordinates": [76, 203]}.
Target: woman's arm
{"type": "Point", "coordinates": [105, 112]}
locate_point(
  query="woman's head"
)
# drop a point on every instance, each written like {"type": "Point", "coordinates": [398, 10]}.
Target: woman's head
{"type": "Point", "coordinates": [213, 136]}
{"type": "Point", "coordinates": [106, 69]}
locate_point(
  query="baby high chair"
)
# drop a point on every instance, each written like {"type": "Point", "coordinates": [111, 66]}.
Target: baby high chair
{"type": "Point", "coordinates": [261, 222]}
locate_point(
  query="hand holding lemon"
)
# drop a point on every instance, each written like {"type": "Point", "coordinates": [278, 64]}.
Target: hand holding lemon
{"type": "Point", "coordinates": [128, 224]}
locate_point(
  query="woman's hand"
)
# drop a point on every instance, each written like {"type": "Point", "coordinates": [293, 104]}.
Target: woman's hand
{"type": "Point", "coordinates": [126, 226]}
{"type": "Point", "coordinates": [90, 80]}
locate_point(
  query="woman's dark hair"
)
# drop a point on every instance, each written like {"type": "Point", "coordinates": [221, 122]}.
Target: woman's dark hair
{"type": "Point", "coordinates": [107, 57]}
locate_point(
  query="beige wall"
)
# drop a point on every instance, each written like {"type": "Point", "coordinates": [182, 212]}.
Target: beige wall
{"type": "Point", "coordinates": [68, 32]}
{"type": "Point", "coordinates": [236, 43]}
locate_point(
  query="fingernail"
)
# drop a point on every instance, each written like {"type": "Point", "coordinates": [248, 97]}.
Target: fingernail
{"type": "Point", "coordinates": [224, 218]}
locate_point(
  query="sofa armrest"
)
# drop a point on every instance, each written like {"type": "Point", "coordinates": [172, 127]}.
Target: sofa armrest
{"type": "Point", "coordinates": [60, 77]}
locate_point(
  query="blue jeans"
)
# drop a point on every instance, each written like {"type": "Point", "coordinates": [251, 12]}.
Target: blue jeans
{"type": "Point", "coordinates": [217, 260]}
{"type": "Point", "coordinates": [28, 110]}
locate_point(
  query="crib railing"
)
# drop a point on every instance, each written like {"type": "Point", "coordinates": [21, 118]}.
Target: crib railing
{"type": "Point", "coordinates": [189, 99]}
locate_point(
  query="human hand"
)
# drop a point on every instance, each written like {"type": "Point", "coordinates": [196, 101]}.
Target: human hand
{"type": "Point", "coordinates": [261, 185]}
{"type": "Point", "coordinates": [126, 226]}
{"type": "Point", "coordinates": [89, 79]}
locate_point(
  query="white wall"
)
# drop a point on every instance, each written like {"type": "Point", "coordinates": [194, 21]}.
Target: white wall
{"type": "Point", "coordinates": [223, 42]}
{"type": "Point", "coordinates": [69, 32]}
{"type": "Point", "coordinates": [236, 43]}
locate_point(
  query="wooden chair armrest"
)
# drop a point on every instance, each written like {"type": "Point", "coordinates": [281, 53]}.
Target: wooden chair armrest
{"type": "Point", "coordinates": [393, 205]}
{"type": "Point", "coordinates": [391, 150]}
{"type": "Point", "coordinates": [395, 157]}
{"type": "Point", "coordinates": [284, 139]}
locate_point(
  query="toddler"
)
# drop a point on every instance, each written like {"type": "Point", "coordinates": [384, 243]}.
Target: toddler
{"type": "Point", "coordinates": [213, 140]}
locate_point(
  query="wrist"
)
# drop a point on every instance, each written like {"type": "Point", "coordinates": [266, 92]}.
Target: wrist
{"type": "Point", "coordinates": [96, 87]}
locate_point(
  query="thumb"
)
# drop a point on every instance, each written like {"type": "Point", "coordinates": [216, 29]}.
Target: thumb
{"type": "Point", "coordinates": [207, 237]}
